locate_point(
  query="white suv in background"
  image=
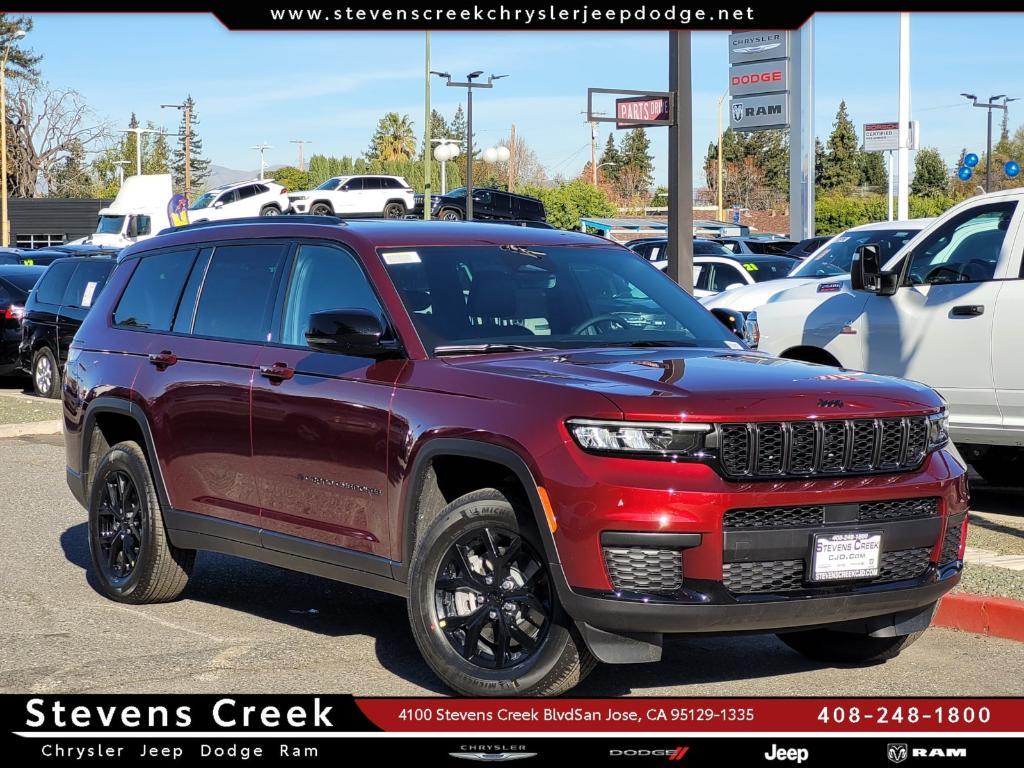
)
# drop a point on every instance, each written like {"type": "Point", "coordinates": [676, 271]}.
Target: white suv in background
{"type": "Point", "coordinates": [243, 198]}
{"type": "Point", "coordinates": [387, 196]}
{"type": "Point", "coordinates": [946, 311]}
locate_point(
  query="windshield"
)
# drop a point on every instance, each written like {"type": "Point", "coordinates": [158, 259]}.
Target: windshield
{"type": "Point", "coordinates": [705, 248]}
{"type": "Point", "coordinates": [546, 296]}
{"type": "Point", "coordinates": [457, 192]}
{"type": "Point", "coordinates": [836, 256]}
{"type": "Point", "coordinates": [768, 269]}
{"type": "Point", "coordinates": [205, 200]}
{"type": "Point", "coordinates": [110, 225]}
{"type": "Point", "coordinates": [330, 184]}
{"type": "Point", "coordinates": [23, 281]}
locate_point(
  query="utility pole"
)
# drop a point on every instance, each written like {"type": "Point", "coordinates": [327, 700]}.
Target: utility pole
{"type": "Point", "coordinates": [138, 145]}
{"type": "Point", "coordinates": [120, 171]}
{"type": "Point", "coordinates": [301, 143]}
{"type": "Point", "coordinates": [261, 148]}
{"type": "Point", "coordinates": [512, 159]}
{"type": "Point", "coordinates": [992, 103]}
{"type": "Point", "coordinates": [428, 172]}
{"type": "Point", "coordinates": [680, 163]}
{"type": "Point", "coordinates": [186, 108]}
{"type": "Point", "coordinates": [903, 132]}
{"type": "Point", "coordinates": [5, 228]}
{"type": "Point", "coordinates": [593, 148]}
{"type": "Point", "coordinates": [469, 85]}
{"type": "Point", "coordinates": [721, 210]}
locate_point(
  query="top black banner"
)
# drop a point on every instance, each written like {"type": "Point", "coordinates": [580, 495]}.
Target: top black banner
{"type": "Point", "coordinates": [620, 15]}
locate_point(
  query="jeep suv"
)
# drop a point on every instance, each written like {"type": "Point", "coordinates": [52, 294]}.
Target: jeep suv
{"type": "Point", "coordinates": [542, 442]}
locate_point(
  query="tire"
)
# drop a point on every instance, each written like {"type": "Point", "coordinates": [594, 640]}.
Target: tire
{"type": "Point", "coordinates": [554, 657]}
{"type": "Point", "coordinates": [46, 379]}
{"type": "Point", "coordinates": [394, 210]}
{"type": "Point", "coordinates": [1001, 466]}
{"type": "Point", "coordinates": [321, 209]}
{"type": "Point", "coordinates": [450, 214]}
{"type": "Point", "coordinates": [270, 210]}
{"type": "Point", "coordinates": [830, 645]}
{"type": "Point", "coordinates": [132, 558]}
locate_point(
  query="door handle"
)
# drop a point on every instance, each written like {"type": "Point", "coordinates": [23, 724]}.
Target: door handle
{"type": "Point", "coordinates": [968, 310]}
{"type": "Point", "coordinates": [163, 359]}
{"type": "Point", "coordinates": [277, 372]}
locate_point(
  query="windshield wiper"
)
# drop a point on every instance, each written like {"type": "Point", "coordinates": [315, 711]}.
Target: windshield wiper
{"type": "Point", "coordinates": [480, 349]}
{"type": "Point", "coordinates": [650, 343]}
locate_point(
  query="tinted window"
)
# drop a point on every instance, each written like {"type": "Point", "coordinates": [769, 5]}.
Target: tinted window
{"type": "Point", "coordinates": [5, 297]}
{"type": "Point", "coordinates": [705, 248]}
{"type": "Point", "coordinates": [228, 197]}
{"type": "Point", "coordinates": [965, 249]}
{"type": "Point", "coordinates": [23, 281]}
{"type": "Point", "coordinates": [143, 225]}
{"type": "Point", "coordinates": [246, 191]}
{"type": "Point", "coordinates": [187, 305]}
{"type": "Point", "coordinates": [52, 285]}
{"type": "Point", "coordinates": [237, 292]}
{"type": "Point", "coordinates": [393, 184]}
{"type": "Point", "coordinates": [323, 277]}
{"type": "Point", "coordinates": [152, 293]}
{"type": "Point", "coordinates": [724, 275]}
{"type": "Point", "coordinates": [353, 185]}
{"type": "Point", "coordinates": [836, 257]}
{"type": "Point", "coordinates": [259, 189]}
{"type": "Point", "coordinates": [87, 282]}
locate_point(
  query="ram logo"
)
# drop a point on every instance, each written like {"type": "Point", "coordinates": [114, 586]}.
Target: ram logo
{"type": "Point", "coordinates": [737, 111]}
{"type": "Point", "coordinates": [896, 753]}
{"type": "Point", "coordinates": [831, 403]}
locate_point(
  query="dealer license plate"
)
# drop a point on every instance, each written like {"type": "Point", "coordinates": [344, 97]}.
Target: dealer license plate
{"type": "Point", "coordinates": [850, 555]}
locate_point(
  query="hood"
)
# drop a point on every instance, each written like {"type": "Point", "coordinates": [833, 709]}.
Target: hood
{"type": "Point", "coordinates": [713, 384]}
{"type": "Point", "coordinates": [96, 238]}
{"type": "Point", "coordinates": [748, 297]}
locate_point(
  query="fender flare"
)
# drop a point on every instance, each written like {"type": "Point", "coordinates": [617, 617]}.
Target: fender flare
{"type": "Point", "coordinates": [476, 449]}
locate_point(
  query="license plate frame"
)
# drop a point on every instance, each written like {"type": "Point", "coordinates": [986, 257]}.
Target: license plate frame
{"type": "Point", "coordinates": [831, 562]}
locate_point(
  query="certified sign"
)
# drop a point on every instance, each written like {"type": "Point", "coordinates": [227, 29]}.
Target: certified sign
{"type": "Point", "coordinates": [882, 137]}
{"type": "Point", "coordinates": [759, 113]}
{"type": "Point", "coordinates": [756, 79]}
{"type": "Point", "coordinates": [852, 555]}
{"type": "Point", "coordinates": [642, 110]}
{"type": "Point", "coordinates": [746, 47]}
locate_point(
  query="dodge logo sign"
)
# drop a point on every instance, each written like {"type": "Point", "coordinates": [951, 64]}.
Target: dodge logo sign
{"type": "Point", "coordinates": [757, 79]}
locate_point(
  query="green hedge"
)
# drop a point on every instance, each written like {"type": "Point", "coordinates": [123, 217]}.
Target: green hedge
{"type": "Point", "coordinates": [322, 167]}
{"type": "Point", "coordinates": [566, 203]}
{"type": "Point", "coordinates": [833, 214]}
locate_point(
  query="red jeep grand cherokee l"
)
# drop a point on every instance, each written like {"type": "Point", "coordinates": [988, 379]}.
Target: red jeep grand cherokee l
{"type": "Point", "coordinates": [542, 442]}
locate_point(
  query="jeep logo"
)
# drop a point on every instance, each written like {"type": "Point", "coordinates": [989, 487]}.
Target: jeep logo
{"type": "Point", "coordinates": [831, 403]}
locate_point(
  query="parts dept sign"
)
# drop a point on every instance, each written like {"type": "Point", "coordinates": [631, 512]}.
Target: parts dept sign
{"type": "Point", "coordinates": [759, 113]}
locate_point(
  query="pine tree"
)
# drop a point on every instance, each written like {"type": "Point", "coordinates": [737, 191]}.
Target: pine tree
{"type": "Point", "coordinates": [457, 127]}
{"type": "Point", "coordinates": [930, 177]}
{"type": "Point", "coordinates": [636, 172]}
{"type": "Point", "coordinates": [199, 166]}
{"type": "Point", "coordinates": [438, 130]}
{"type": "Point", "coordinates": [21, 61]}
{"type": "Point", "coordinates": [610, 159]}
{"type": "Point", "coordinates": [873, 172]}
{"type": "Point", "coordinates": [841, 166]}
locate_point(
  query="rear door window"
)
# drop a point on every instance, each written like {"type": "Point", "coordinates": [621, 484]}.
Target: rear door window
{"type": "Point", "coordinates": [152, 293]}
{"type": "Point", "coordinates": [87, 282]}
{"type": "Point", "coordinates": [236, 299]}
{"type": "Point", "coordinates": [50, 289]}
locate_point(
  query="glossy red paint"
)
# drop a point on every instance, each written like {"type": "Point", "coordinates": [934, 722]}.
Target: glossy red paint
{"type": "Point", "coordinates": [327, 454]}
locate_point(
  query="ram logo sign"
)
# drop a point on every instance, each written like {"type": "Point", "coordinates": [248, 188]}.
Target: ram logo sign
{"type": "Point", "coordinates": [760, 113]}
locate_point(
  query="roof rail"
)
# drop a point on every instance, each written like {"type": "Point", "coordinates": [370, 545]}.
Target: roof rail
{"type": "Point", "coordinates": [288, 218]}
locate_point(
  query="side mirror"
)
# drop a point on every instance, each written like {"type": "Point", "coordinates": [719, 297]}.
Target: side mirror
{"type": "Point", "coordinates": [866, 272]}
{"type": "Point", "coordinates": [355, 332]}
{"type": "Point", "coordinates": [730, 318]}
{"type": "Point", "coordinates": [730, 286]}
{"type": "Point", "coordinates": [133, 227]}
{"type": "Point", "coordinates": [218, 205]}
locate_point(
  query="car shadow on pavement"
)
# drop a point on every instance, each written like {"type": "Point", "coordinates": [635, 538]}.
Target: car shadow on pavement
{"type": "Point", "coordinates": [997, 501]}
{"type": "Point", "coordinates": [309, 603]}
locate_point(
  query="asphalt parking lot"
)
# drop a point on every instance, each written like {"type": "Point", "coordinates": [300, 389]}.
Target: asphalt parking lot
{"type": "Point", "coordinates": [248, 627]}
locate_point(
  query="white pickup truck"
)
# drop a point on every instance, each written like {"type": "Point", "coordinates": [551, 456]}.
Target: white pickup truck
{"type": "Point", "coordinates": [945, 310]}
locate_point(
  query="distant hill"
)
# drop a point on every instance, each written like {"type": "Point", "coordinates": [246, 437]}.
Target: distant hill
{"type": "Point", "coordinates": [219, 175]}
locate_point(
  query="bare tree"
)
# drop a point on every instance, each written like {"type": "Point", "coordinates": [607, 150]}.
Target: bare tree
{"type": "Point", "coordinates": [47, 127]}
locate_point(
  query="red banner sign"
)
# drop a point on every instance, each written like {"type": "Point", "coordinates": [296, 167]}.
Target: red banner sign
{"type": "Point", "coordinates": [642, 110]}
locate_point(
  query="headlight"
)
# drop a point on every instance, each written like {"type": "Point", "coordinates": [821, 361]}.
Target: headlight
{"type": "Point", "coordinates": [641, 438]}
{"type": "Point", "coordinates": [938, 430]}
{"type": "Point", "coordinates": [751, 331]}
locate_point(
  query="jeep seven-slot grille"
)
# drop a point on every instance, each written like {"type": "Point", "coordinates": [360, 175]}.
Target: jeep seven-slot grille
{"type": "Point", "coordinates": [788, 575]}
{"type": "Point", "coordinates": [808, 448]}
{"type": "Point", "coordinates": [814, 515]}
{"type": "Point", "coordinates": [643, 569]}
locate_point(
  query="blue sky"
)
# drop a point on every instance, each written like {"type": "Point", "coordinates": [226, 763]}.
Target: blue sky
{"type": "Point", "coordinates": [331, 87]}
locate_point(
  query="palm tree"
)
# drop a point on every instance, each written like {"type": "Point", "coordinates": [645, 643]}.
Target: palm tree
{"type": "Point", "coordinates": [394, 139]}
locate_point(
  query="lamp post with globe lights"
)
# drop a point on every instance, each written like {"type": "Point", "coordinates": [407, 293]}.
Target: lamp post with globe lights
{"type": "Point", "coordinates": [446, 149]}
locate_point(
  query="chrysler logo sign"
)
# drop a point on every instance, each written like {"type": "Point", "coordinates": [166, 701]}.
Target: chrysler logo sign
{"type": "Point", "coordinates": [746, 47]}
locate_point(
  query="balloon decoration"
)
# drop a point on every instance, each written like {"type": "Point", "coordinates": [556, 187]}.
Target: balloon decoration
{"type": "Point", "coordinates": [1011, 169]}
{"type": "Point", "coordinates": [965, 173]}
{"type": "Point", "coordinates": [970, 160]}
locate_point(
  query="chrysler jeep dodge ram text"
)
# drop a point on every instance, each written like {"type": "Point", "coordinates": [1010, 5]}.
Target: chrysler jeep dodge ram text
{"type": "Point", "coordinates": [543, 443]}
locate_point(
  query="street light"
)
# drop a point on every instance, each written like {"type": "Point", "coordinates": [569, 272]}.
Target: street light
{"type": "Point", "coordinates": [989, 105]}
{"type": "Point", "coordinates": [5, 238]}
{"type": "Point", "coordinates": [261, 148]}
{"type": "Point", "coordinates": [138, 144]}
{"type": "Point", "coordinates": [446, 149]}
{"type": "Point", "coordinates": [120, 171]}
{"type": "Point", "coordinates": [186, 106]}
{"type": "Point", "coordinates": [469, 85]}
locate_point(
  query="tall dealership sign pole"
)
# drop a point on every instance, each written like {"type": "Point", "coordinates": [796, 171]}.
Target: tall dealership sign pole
{"type": "Point", "coordinates": [903, 150]}
{"type": "Point", "coordinates": [427, 138]}
{"type": "Point", "coordinates": [801, 136]}
{"type": "Point", "coordinates": [680, 163]}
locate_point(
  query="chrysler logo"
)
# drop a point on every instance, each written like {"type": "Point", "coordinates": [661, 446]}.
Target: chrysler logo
{"type": "Point", "coordinates": [896, 753]}
{"type": "Point", "coordinates": [757, 48]}
{"type": "Point", "coordinates": [492, 757]}
{"type": "Point", "coordinates": [831, 403]}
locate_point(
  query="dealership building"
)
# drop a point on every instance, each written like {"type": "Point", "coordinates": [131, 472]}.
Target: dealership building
{"type": "Point", "coordinates": [39, 222]}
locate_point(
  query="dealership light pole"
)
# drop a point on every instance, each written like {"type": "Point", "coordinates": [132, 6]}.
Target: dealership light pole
{"type": "Point", "coordinates": [261, 148]}
{"type": "Point", "coordinates": [4, 226]}
{"type": "Point", "coordinates": [428, 172]}
{"type": "Point", "coordinates": [302, 143]}
{"type": "Point", "coordinates": [446, 149]}
{"type": "Point", "coordinates": [680, 163]}
{"type": "Point", "coordinates": [903, 131]}
{"type": "Point", "coordinates": [120, 171]}
{"type": "Point", "coordinates": [186, 108]}
{"type": "Point", "coordinates": [469, 85]}
{"type": "Point", "coordinates": [721, 99]}
{"type": "Point", "coordinates": [992, 103]}
{"type": "Point", "coordinates": [138, 144]}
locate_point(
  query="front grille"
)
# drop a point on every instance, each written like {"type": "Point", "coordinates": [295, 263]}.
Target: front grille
{"type": "Point", "coordinates": [951, 542]}
{"type": "Point", "coordinates": [639, 569]}
{"type": "Point", "coordinates": [788, 575]}
{"type": "Point", "coordinates": [802, 448]}
{"type": "Point", "coordinates": [815, 515]}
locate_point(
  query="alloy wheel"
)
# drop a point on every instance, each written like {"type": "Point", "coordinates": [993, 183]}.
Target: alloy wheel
{"type": "Point", "coordinates": [119, 526]}
{"type": "Point", "coordinates": [393, 211]}
{"type": "Point", "coordinates": [493, 598]}
{"type": "Point", "coordinates": [44, 374]}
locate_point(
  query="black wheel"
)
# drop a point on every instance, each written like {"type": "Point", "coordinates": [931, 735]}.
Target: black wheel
{"type": "Point", "coordinates": [1001, 466]}
{"type": "Point", "coordinates": [483, 607]}
{"type": "Point", "coordinates": [321, 209]}
{"type": "Point", "coordinates": [131, 555]}
{"type": "Point", "coordinates": [451, 214]}
{"type": "Point", "coordinates": [45, 374]}
{"type": "Point", "coordinates": [833, 646]}
{"type": "Point", "coordinates": [270, 210]}
{"type": "Point", "coordinates": [394, 211]}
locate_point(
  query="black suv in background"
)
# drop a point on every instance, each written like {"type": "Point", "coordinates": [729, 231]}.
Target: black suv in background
{"type": "Point", "coordinates": [15, 283]}
{"type": "Point", "coordinates": [42, 257]}
{"type": "Point", "coordinates": [488, 204]}
{"type": "Point", "coordinates": [53, 313]}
